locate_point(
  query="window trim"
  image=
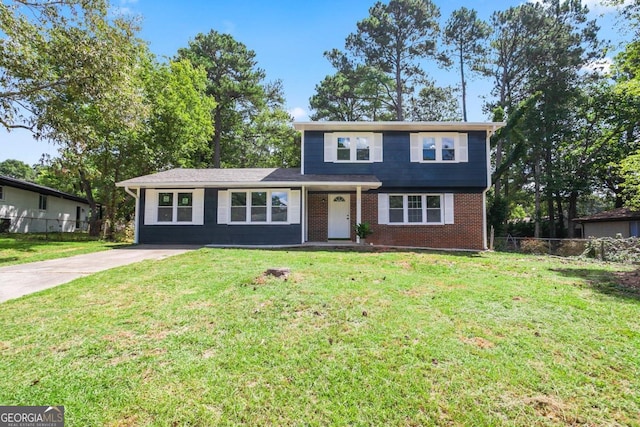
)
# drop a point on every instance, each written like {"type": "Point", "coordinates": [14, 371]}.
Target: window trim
{"type": "Point", "coordinates": [447, 209]}
{"type": "Point", "coordinates": [152, 204]}
{"type": "Point", "coordinates": [175, 206]}
{"type": "Point", "coordinates": [42, 202]}
{"type": "Point", "coordinates": [423, 201]}
{"type": "Point", "coordinates": [269, 206]}
{"type": "Point", "coordinates": [460, 147]}
{"type": "Point", "coordinates": [1, 192]}
{"type": "Point", "coordinates": [375, 140]}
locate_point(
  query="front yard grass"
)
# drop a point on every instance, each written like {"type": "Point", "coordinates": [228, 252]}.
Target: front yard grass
{"type": "Point", "coordinates": [23, 248]}
{"type": "Point", "coordinates": [350, 338]}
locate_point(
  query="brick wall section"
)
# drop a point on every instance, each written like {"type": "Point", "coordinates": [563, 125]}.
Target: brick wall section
{"type": "Point", "coordinates": [318, 214]}
{"type": "Point", "coordinates": [464, 233]}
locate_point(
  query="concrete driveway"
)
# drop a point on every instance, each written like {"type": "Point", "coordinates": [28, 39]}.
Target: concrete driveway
{"type": "Point", "coordinates": [23, 279]}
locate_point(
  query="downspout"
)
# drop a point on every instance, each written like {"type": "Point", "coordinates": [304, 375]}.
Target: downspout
{"type": "Point", "coordinates": [490, 132]}
{"type": "Point", "coordinates": [137, 209]}
{"type": "Point", "coordinates": [303, 213]}
{"type": "Point", "coordinates": [358, 209]}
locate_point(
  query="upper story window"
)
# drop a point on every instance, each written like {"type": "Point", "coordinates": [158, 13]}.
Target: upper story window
{"type": "Point", "coordinates": [439, 147]}
{"type": "Point", "coordinates": [1, 193]}
{"type": "Point", "coordinates": [361, 147]}
{"type": "Point", "coordinates": [174, 207]}
{"type": "Point", "coordinates": [42, 202]}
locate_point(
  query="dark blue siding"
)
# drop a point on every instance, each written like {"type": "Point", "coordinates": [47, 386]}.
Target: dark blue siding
{"type": "Point", "coordinates": [396, 170]}
{"type": "Point", "coordinates": [212, 233]}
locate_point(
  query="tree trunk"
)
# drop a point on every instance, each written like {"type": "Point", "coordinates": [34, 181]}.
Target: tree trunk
{"type": "Point", "coordinates": [94, 221]}
{"type": "Point", "coordinates": [217, 137]}
{"type": "Point", "coordinates": [560, 215]}
{"type": "Point", "coordinates": [498, 184]}
{"type": "Point", "coordinates": [572, 212]}
{"type": "Point", "coordinates": [464, 89]}
{"type": "Point", "coordinates": [536, 180]}
{"type": "Point", "coordinates": [399, 113]}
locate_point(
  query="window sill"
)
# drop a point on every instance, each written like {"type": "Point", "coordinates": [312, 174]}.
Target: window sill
{"type": "Point", "coordinates": [415, 223]}
{"type": "Point", "coordinates": [258, 223]}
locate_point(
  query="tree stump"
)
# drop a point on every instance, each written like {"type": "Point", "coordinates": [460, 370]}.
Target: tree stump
{"type": "Point", "coordinates": [278, 272]}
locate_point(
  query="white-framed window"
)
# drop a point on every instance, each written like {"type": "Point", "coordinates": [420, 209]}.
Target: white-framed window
{"type": "Point", "coordinates": [259, 206]}
{"type": "Point", "coordinates": [415, 209]}
{"type": "Point", "coordinates": [441, 147]}
{"type": "Point", "coordinates": [350, 147]}
{"type": "Point", "coordinates": [174, 207]}
{"type": "Point", "coordinates": [42, 202]}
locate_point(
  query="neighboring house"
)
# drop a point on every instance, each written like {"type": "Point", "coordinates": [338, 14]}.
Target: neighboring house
{"type": "Point", "coordinates": [621, 221]}
{"type": "Point", "coordinates": [26, 207]}
{"type": "Point", "coordinates": [419, 184]}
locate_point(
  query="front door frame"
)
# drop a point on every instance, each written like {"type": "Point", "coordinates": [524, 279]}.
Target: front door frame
{"type": "Point", "coordinates": [338, 231]}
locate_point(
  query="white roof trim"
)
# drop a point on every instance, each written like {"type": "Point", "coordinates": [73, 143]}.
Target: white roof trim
{"type": "Point", "coordinates": [406, 126]}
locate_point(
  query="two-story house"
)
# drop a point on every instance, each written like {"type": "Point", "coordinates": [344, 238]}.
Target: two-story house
{"type": "Point", "coordinates": [418, 184]}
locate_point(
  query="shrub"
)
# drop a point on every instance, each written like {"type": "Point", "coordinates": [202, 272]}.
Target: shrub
{"type": "Point", "coordinates": [571, 248]}
{"type": "Point", "coordinates": [613, 249]}
{"type": "Point", "coordinates": [534, 246]}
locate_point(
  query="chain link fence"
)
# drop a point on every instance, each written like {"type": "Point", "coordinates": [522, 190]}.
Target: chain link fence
{"type": "Point", "coordinates": [541, 246]}
{"type": "Point", "coordinates": [626, 250]}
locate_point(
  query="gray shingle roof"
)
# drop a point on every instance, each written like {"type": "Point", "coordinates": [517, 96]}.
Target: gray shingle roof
{"type": "Point", "coordinates": [40, 189]}
{"type": "Point", "coordinates": [619, 214]}
{"type": "Point", "coordinates": [253, 176]}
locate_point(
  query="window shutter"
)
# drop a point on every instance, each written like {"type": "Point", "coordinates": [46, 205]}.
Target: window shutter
{"type": "Point", "coordinates": [377, 147]}
{"type": "Point", "coordinates": [448, 208]}
{"type": "Point", "coordinates": [198, 206]}
{"type": "Point", "coordinates": [329, 148]}
{"type": "Point", "coordinates": [463, 147]}
{"type": "Point", "coordinates": [150, 206]}
{"type": "Point", "coordinates": [383, 208]}
{"type": "Point", "coordinates": [415, 148]}
{"type": "Point", "coordinates": [293, 210]}
{"type": "Point", "coordinates": [223, 207]}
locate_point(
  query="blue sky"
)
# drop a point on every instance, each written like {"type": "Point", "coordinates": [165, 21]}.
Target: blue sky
{"type": "Point", "coordinates": [289, 38]}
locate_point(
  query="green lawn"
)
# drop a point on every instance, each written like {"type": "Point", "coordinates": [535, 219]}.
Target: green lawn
{"type": "Point", "coordinates": [350, 338]}
{"type": "Point", "coordinates": [22, 248]}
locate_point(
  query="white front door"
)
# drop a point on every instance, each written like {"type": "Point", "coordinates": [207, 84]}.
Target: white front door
{"type": "Point", "coordinates": [339, 216]}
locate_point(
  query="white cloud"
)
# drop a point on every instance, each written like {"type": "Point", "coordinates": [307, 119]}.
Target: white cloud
{"type": "Point", "coordinates": [596, 6]}
{"type": "Point", "coordinates": [120, 11]}
{"type": "Point", "coordinates": [601, 66]}
{"type": "Point", "coordinates": [299, 113]}
{"type": "Point", "coordinates": [228, 27]}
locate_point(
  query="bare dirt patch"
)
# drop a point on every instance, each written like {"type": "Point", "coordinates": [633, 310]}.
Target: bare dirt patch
{"type": "Point", "coordinates": [478, 342]}
{"type": "Point", "coordinates": [629, 279]}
